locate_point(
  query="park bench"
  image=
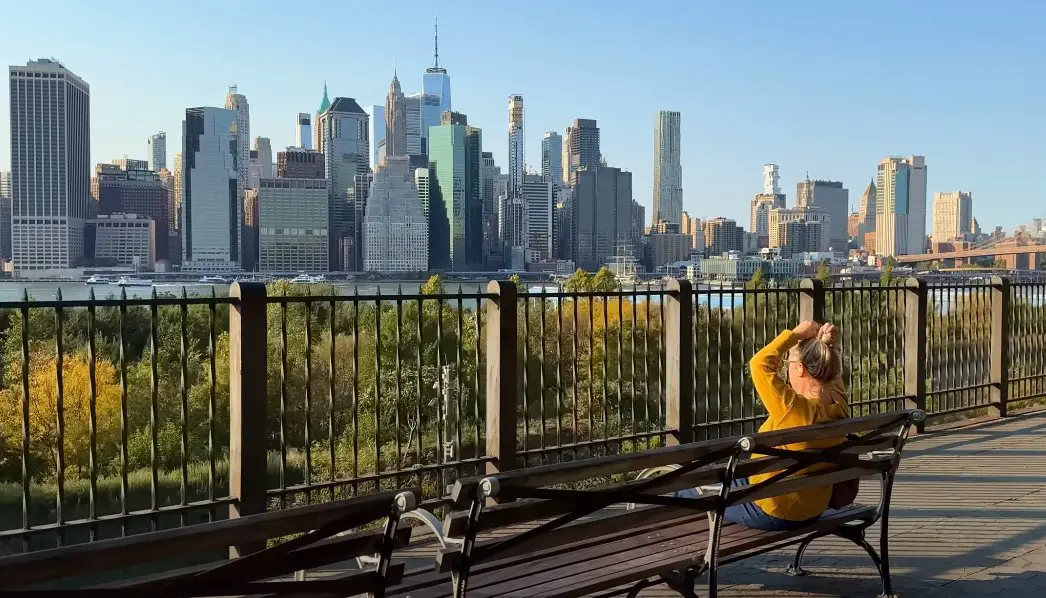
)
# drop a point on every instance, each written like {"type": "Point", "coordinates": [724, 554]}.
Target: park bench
{"type": "Point", "coordinates": [322, 535]}
{"type": "Point", "coordinates": [554, 531]}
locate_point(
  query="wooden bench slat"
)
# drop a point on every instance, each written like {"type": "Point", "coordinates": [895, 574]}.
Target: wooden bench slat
{"type": "Point", "coordinates": [153, 546]}
{"type": "Point", "coordinates": [564, 473]}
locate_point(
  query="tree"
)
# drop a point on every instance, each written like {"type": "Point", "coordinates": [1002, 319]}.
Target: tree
{"type": "Point", "coordinates": [433, 285]}
{"type": "Point", "coordinates": [604, 281]}
{"type": "Point", "coordinates": [43, 411]}
{"type": "Point", "coordinates": [579, 282]}
{"type": "Point", "coordinates": [824, 273]}
{"type": "Point", "coordinates": [887, 278]}
{"type": "Point", "coordinates": [758, 280]}
{"type": "Point", "coordinates": [516, 280]}
{"type": "Point", "coordinates": [1000, 263]}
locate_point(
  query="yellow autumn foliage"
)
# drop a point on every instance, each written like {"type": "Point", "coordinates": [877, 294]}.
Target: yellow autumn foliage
{"type": "Point", "coordinates": [43, 411]}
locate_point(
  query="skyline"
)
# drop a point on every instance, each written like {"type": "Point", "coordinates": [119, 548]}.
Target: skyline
{"type": "Point", "coordinates": [751, 90]}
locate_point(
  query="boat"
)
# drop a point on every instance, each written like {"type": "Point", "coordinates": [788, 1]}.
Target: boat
{"type": "Point", "coordinates": [98, 280]}
{"type": "Point", "coordinates": [213, 280]}
{"type": "Point", "coordinates": [130, 281]}
{"type": "Point", "coordinates": [319, 278]}
{"type": "Point", "coordinates": [302, 279]}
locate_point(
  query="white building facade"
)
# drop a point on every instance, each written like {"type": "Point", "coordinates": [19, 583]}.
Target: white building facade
{"type": "Point", "coordinates": [900, 206]}
{"type": "Point", "coordinates": [303, 131]}
{"type": "Point", "coordinates": [952, 215]}
{"type": "Point", "coordinates": [50, 166]}
{"type": "Point", "coordinates": [127, 239]}
{"type": "Point", "coordinates": [395, 228]}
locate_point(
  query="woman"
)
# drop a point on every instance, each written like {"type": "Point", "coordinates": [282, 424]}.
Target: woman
{"type": "Point", "coordinates": [813, 393]}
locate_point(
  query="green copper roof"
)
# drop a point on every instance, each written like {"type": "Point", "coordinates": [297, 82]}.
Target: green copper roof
{"type": "Point", "coordinates": [326, 103]}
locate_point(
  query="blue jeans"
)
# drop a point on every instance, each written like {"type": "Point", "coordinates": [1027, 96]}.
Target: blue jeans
{"type": "Point", "coordinates": [749, 514]}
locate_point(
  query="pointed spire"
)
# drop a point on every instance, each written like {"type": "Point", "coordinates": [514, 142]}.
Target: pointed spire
{"type": "Point", "coordinates": [326, 102]}
{"type": "Point", "coordinates": [435, 57]}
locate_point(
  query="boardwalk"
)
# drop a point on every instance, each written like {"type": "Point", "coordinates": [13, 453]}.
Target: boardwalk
{"type": "Point", "coordinates": [968, 519]}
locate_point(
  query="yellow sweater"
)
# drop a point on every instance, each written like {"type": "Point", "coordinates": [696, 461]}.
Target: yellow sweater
{"type": "Point", "coordinates": [788, 409]}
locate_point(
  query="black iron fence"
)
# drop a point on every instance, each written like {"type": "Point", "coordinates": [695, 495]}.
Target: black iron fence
{"type": "Point", "coordinates": [124, 415]}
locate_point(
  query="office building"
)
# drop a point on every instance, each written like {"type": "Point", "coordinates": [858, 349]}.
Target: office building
{"type": "Point", "coordinates": [772, 180]}
{"type": "Point", "coordinates": [582, 147]}
{"type": "Point", "coordinates": [488, 174]}
{"type": "Point", "coordinates": [157, 151]}
{"type": "Point", "coordinates": [666, 248]}
{"type": "Point", "coordinates": [539, 197]}
{"type": "Point", "coordinates": [900, 206]}
{"type": "Point", "coordinates": [760, 215]}
{"type": "Point", "coordinates": [691, 226]}
{"type": "Point", "coordinates": [325, 105]}
{"type": "Point", "coordinates": [128, 191]}
{"type": "Point", "coordinates": [262, 151]}
{"type": "Point", "coordinates": [237, 102]}
{"type": "Point", "coordinates": [292, 225]}
{"type": "Point", "coordinates": [395, 121]}
{"type": "Point", "coordinates": [249, 254]}
{"type": "Point", "coordinates": [866, 215]}
{"type": "Point", "coordinates": [128, 240]}
{"type": "Point", "coordinates": [376, 131]}
{"type": "Point", "coordinates": [722, 235]}
{"type": "Point", "coordinates": [5, 183]}
{"type": "Point", "coordinates": [832, 197]}
{"type": "Point", "coordinates": [166, 237]}
{"type": "Point", "coordinates": [303, 131]}
{"type": "Point", "coordinates": [552, 157]}
{"type": "Point", "coordinates": [668, 171]}
{"type": "Point", "coordinates": [395, 229]}
{"type": "Point", "coordinates": [436, 90]}
{"type": "Point", "coordinates": [5, 215]}
{"type": "Point", "coordinates": [345, 144]}
{"type": "Point", "coordinates": [212, 200]}
{"type": "Point", "coordinates": [599, 234]}
{"type": "Point", "coordinates": [299, 163]}
{"type": "Point", "coordinates": [130, 163]}
{"type": "Point", "coordinates": [516, 156]}
{"type": "Point", "coordinates": [455, 157]}
{"type": "Point", "coordinates": [952, 216]}
{"type": "Point", "coordinates": [779, 217]}
{"type": "Point", "coordinates": [435, 213]}
{"type": "Point", "coordinates": [799, 236]}
{"type": "Point", "coordinates": [50, 166]}
{"type": "Point", "coordinates": [179, 180]}
{"type": "Point", "coordinates": [415, 129]}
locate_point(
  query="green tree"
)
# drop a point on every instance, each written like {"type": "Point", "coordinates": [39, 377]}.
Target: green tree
{"type": "Point", "coordinates": [824, 273]}
{"type": "Point", "coordinates": [516, 280]}
{"type": "Point", "coordinates": [579, 282]}
{"type": "Point", "coordinates": [604, 281]}
{"type": "Point", "coordinates": [887, 278]}
{"type": "Point", "coordinates": [758, 280]}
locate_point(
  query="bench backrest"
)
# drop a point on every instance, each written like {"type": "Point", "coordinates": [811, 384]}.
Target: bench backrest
{"type": "Point", "coordinates": [873, 444]}
{"type": "Point", "coordinates": [104, 555]}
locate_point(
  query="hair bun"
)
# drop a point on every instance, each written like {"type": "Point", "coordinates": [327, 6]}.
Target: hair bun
{"type": "Point", "coordinates": [829, 337]}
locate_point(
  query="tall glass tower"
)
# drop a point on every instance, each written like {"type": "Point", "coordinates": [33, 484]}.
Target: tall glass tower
{"type": "Point", "coordinates": [436, 90]}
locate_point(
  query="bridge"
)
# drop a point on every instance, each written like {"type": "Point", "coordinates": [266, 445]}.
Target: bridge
{"type": "Point", "coordinates": [995, 247]}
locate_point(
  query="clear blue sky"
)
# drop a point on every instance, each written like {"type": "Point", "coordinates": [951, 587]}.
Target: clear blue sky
{"type": "Point", "coordinates": [824, 86]}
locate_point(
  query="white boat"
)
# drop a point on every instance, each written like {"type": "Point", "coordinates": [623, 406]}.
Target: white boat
{"type": "Point", "coordinates": [213, 280]}
{"type": "Point", "coordinates": [130, 281]}
{"type": "Point", "coordinates": [302, 279]}
{"type": "Point", "coordinates": [319, 278]}
{"type": "Point", "coordinates": [98, 280]}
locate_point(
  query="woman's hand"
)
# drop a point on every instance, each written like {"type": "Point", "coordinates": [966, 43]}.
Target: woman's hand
{"type": "Point", "coordinates": [806, 330]}
{"type": "Point", "coordinates": [828, 333]}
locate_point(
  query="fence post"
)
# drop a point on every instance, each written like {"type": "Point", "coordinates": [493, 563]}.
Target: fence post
{"type": "Point", "coordinates": [502, 362]}
{"type": "Point", "coordinates": [248, 353]}
{"type": "Point", "coordinates": [1000, 353]}
{"type": "Point", "coordinates": [679, 361]}
{"type": "Point", "coordinates": [811, 301]}
{"type": "Point", "coordinates": [915, 345]}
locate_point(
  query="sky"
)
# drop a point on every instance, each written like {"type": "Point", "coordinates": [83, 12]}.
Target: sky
{"type": "Point", "coordinates": [822, 87]}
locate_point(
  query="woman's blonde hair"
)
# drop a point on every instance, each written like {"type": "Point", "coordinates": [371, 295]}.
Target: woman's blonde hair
{"type": "Point", "coordinates": [820, 357]}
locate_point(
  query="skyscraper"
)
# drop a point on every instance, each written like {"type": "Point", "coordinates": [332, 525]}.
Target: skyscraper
{"type": "Point", "coordinates": [832, 197]}
{"type": "Point", "coordinates": [516, 158]}
{"type": "Point", "coordinates": [539, 197]}
{"type": "Point", "coordinates": [453, 155]}
{"type": "Point", "coordinates": [602, 215]}
{"type": "Point", "coordinates": [5, 183]}
{"type": "Point", "coordinates": [238, 103]}
{"type": "Point", "coordinates": [179, 181]}
{"type": "Point", "coordinates": [771, 180]}
{"type": "Point", "coordinates": [260, 164]}
{"type": "Point", "coordinates": [436, 87]}
{"type": "Point", "coordinates": [582, 147]}
{"type": "Point", "coordinates": [668, 172]}
{"type": "Point", "coordinates": [344, 143]}
{"type": "Point", "coordinates": [134, 191]}
{"type": "Point", "coordinates": [212, 196]}
{"type": "Point", "coordinates": [395, 229]}
{"type": "Point", "coordinates": [376, 131]}
{"type": "Point", "coordinates": [395, 120]}
{"type": "Point", "coordinates": [158, 151]}
{"type": "Point", "coordinates": [488, 197]}
{"type": "Point", "coordinates": [303, 131]}
{"type": "Point", "coordinates": [325, 104]}
{"type": "Point", "coordinates": [900, 206]}
{"type": "Point", "coordinates": [952, 215]}
{"type": "Point", "coordinates": [299, 163]}
{"type": "Point", "coordinates": [551, 157]}
{"type": "Point", "coordinates": [50, 165]}
{"type": "Point", "coordinates": [292, 225]}
{"type": "Point", "coordinates": [415, 128]}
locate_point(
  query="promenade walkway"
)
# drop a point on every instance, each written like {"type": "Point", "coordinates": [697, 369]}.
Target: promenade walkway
{"type": "Point", "coordinates": [968, 519]}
